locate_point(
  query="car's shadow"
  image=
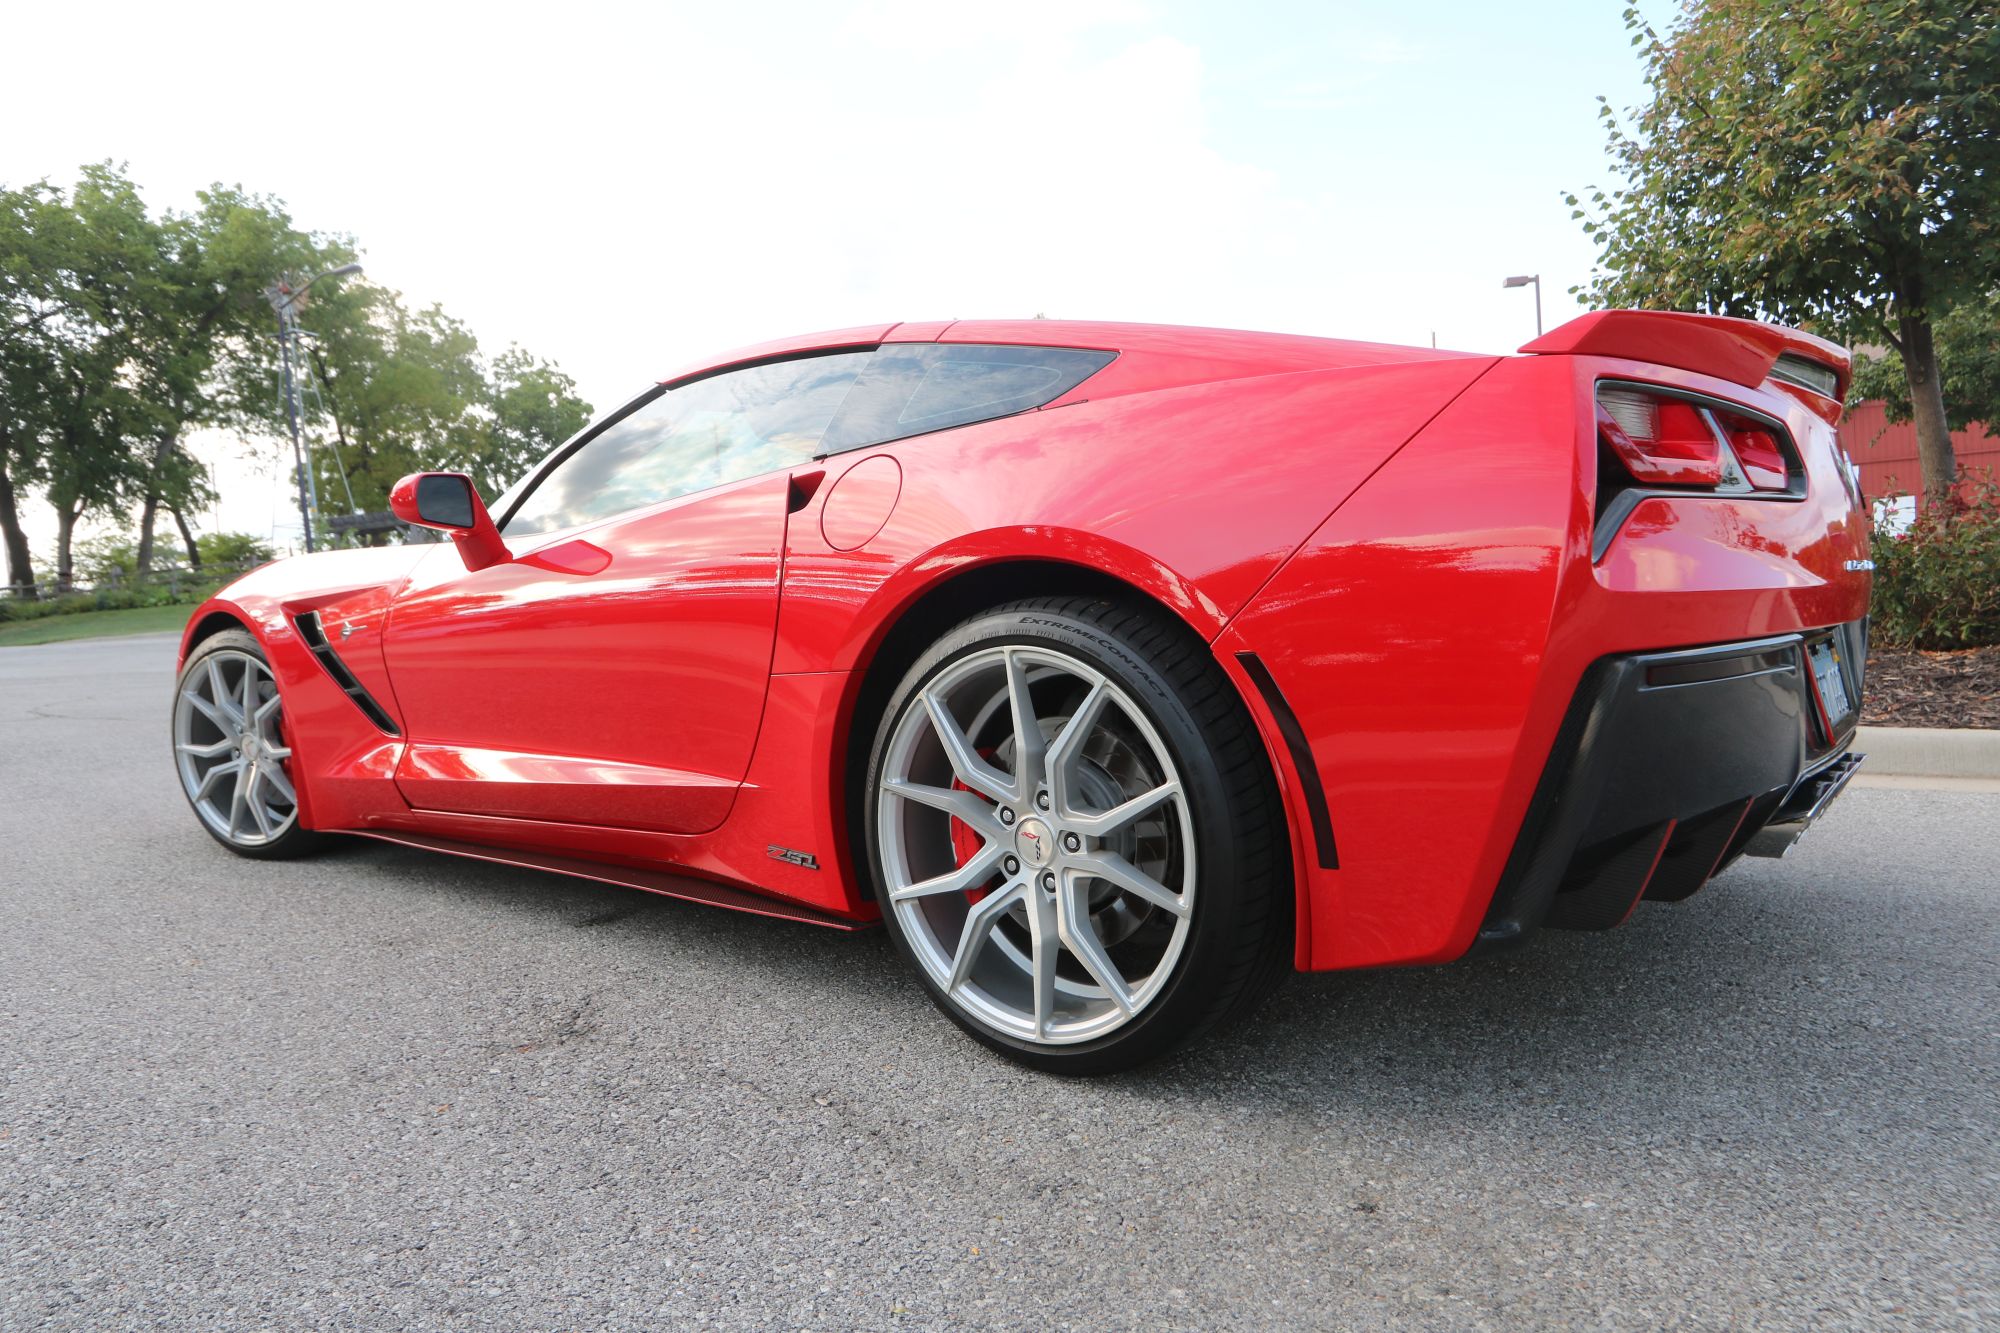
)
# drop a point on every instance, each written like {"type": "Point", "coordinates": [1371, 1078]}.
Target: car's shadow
{"type": "Point", "coordinates": [1681, 1012]}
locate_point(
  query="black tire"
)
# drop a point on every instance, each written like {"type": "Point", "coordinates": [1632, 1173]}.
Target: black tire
{"type": "Point", "coordinates": [295, 840]}
{"type": "Point", "coordinates": [1239, 935]}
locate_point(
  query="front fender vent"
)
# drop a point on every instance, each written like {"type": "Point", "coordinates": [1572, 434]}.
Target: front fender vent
{"type": "Point", "coordinates": [315, 639]}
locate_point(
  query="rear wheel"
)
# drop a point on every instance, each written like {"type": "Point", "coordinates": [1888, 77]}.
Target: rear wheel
{"type": "Point", "coordinates": [232, 752]}
{"type": "Point", "coordinates": [1075, 835]}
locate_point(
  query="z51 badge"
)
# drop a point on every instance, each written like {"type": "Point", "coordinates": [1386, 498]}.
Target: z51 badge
{"type": "Point", "coordinates": [806, 859]}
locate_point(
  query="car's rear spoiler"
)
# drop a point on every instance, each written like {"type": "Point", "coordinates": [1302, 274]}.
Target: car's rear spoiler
{"type": "Point", "coordinates": [1741, 351]}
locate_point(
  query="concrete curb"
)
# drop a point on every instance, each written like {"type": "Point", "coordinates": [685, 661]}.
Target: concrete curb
{"type": "Point", "coordinates": [1937, 752]}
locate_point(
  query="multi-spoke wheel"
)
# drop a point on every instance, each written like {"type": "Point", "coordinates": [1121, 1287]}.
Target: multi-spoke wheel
{"type": "Point", "coordinates": [1056, 846]}
{"type": "Point", "coordinates": [230, 748]}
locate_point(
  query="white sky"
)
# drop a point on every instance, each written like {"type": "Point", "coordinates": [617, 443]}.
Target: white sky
{"type": "Point", "coordinates": [624, 189]}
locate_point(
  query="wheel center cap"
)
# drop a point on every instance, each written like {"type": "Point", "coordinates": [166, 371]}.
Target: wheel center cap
{"type": "Point", "coordinates": [1036, 843]}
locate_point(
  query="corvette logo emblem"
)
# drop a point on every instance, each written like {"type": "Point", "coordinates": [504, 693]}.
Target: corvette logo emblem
{"type": "Point", "coordinates": [1034, 842]}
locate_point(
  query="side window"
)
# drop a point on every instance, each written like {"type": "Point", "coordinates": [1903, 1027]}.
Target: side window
{"type": "Point", "coordinates": [911, 388]}
{"type": "Point", "coordinates": [719, 429]}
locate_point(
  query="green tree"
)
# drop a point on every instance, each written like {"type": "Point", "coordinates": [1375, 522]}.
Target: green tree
{"type": "Point", "coordinates": [403, 391]}
{"type": "Point", "coordinates": [206, 310]}
{"type": "Point", "coordinates": [1833, 165]}
{"type": "Point", "coordinates": [90, 465]}
{"type": "Point", "coordinates": [38, 244]}
{"type": "Point", "coordinates": [122, 333]}
{"type": "Point", "coordinates": [77, 402]}
{"type": "Point", "coordinates": [532, 406]}
{"type": "Point", "coordinates": [112, 558]}
{"type": "Point", "coordinates": [1968, 349]}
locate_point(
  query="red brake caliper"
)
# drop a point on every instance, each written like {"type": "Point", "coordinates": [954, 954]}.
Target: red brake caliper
{"type": "Point", "coordinates": [965, 843]}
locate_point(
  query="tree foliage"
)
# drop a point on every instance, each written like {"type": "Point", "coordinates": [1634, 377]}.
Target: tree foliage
{"type": "Point", "coordinates": [233, 550]}
{"type": "Point", "coordinates": [1968, 347]}
{"type": "Point", "coordinates": [206, 313]}
{"type": "Point", "coordinates": [71, 397]}
{"type": "Point", "coordinates": [1833, 165]}
{"type": "Point", "coordinates": [401, 391]}
{"type": "Point", "coordinates": [113, 558]}
{"type": "Point", "coordinates": [124, 333]}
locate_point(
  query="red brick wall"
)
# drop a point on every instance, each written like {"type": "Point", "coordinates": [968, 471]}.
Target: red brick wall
{"type": "Point", "coordinates": [1888, 454]}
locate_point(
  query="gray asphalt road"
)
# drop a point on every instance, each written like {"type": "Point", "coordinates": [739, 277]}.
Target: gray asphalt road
{"type": "Point", "coordinates": [384, 1089]}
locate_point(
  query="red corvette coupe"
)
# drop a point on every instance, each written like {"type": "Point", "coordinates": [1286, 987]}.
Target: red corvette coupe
{"type": "Point", "coordinates": [1111, 667]}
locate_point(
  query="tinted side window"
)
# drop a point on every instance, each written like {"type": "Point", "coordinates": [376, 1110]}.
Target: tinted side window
{"type": "Point", "coordinates": [715, 430]}
{"type": "Point", "coordinates": [911, 388]}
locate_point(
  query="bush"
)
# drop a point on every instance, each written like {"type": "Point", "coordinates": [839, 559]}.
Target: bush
{"type": "Point", "coordinates": [1938, 585]}
{"type": "Point", "coordinates": [14, 608]}
{"type": "Point", "coordinates": [237, 550]}
{"type": "Point", "coordinates": [111, 559]}
{"type": "Point", "coordinates": [108, 599]}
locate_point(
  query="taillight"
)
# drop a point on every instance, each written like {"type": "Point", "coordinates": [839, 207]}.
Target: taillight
{"type": "Point", "coordinates": [1666, 440]}
{"type": "Point", "coordinates": [1757, 450]}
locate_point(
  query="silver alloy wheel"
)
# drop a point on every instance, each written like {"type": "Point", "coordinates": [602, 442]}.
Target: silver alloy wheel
{"type": "Point", "coordinates": [1037, 844]}
{"type": "Point", "coordinates": [230, 751]}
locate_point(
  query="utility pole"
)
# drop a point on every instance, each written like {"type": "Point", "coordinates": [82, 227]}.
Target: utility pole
{"type": "Point", "coordinates": [287, 300]}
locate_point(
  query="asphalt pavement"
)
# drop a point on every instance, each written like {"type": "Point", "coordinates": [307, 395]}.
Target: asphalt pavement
{"type": "Point", "coordinates": [384, 1089]}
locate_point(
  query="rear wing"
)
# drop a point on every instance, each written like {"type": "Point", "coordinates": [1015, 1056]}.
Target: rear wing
{"type": "Point", "coordinates": [1741, 351]}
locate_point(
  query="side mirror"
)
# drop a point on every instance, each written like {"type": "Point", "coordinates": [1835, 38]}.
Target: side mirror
{"type": "Point", "coordinates": [449, 502]}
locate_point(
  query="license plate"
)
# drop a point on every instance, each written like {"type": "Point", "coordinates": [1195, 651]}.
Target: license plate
{"type": "Point", "coordinates": [1831, 683]}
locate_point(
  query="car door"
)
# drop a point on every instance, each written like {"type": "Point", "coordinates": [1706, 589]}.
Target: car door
{"type": "Point", "coordinates": [614, 671]}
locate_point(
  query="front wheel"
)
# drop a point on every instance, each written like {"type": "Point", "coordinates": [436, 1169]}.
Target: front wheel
{"type": "Point", "coordinates": [231, 749]}
{"type": "Point", "coordinates": [1075, 835]}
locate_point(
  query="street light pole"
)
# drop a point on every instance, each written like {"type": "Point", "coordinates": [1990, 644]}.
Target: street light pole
{"type": "Point", "coordinates": [285, 299]}
{"type": "Point", "coordinates": [1524, 280]}
{"type": "Point", "coordinates": [308, 492]}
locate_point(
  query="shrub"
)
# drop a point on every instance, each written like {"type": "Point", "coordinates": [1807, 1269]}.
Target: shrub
{"type": "Point", "coordinates": [156, 593]}
{"type": "Point", "coordinates": [1938, 585]}
{"type": "Point", "coordinates": [236, 550]}
{"type": "Point", "coordinates": [109, 559]}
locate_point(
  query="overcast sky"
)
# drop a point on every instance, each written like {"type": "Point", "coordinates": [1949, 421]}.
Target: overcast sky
{"type": "Point", "coordinates": [624, 189]}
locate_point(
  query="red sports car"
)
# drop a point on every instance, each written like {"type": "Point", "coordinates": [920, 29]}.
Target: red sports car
{"type": "Point", "coordinates": [1113, 668]}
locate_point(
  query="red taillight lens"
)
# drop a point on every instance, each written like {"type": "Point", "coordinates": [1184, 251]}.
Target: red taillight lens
{"type": "Point", "coordinates": [1660, 440]}
{"type": "Point", "coordinates": [1757, 450]}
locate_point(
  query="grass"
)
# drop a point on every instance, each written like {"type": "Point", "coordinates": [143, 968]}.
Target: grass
{"type": "Point", "coordinates": [94, 625]}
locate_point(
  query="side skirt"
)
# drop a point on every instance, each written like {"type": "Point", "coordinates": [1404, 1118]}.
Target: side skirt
{"type": "Point", "coordinates": [652, 881]}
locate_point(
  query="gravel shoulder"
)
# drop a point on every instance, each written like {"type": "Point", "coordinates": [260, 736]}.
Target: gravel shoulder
{"type": "Point", "coordinates": [387, 1090]}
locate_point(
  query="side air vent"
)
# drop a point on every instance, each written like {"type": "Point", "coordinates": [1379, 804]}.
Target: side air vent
{"type": "Point", "coordinates": [315, 637]}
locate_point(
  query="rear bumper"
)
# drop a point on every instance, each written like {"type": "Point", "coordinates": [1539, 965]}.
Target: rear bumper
{"type": "Point", "coordinates": [1667, 766]}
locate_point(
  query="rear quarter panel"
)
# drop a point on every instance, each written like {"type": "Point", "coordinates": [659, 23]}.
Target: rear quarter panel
{"type": "Point", "coordinates": [1195, 494]}
{"type": "Point", "coordinates": [1431, 632]}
